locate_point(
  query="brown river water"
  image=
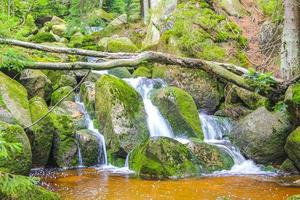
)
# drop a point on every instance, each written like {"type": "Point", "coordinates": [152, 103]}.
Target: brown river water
{"type": "Point", "coordinates": [95, 184]}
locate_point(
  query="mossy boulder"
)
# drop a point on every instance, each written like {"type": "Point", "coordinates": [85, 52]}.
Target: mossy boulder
{"type": "Point", "coordinates": [179, 108]}
{"type": "Point", "coordinates": [87, 94]}
{"type": "Point", "coordinates": [121, 44]}
{"type": "Point", "coordinates": [233, 7]}
{"type": "Point", "coordinates": [41, 134]}
{"type": "Point", "coordinates": [211, 157]}
{"type": "Point", "coordinates": [120, 72]}
{"type": "Point", "coordinates": [20, 161]}
{"type": "Point", "coordinates": [64, 80]}
{"type": "Point", "coordinates": [58, 94]}
{"type": "Point", "coordinates": [36, 83]}
{"type": "Point", "coordinates": [14, 99]}
{"type": "Point", "coordinates": [23, 188]}
{"type": "Point", "coordinates": [261, 135]}
{"type": "Point", "coordinates": [162, 157]}
{"type": "Point", "coordinates": [142, 72]}
{"type": "Point", "coordinates": [292, 147]}
{"type": "Point", "coordinates": [76, 40]}
{"type": "Point", "coordinates": [292, 99]}
{"type": "Point", "coordinates": [120, 112]}
{"type": "Point", "coordinates": [288, 166]}
{"type": "Point", "coordinates": [205, 90]}
{"type": "Point", "coordinates": [89, 146]}
{"type": "Point", "coordinates": [42, 36]}
{"type": "Point", "coordinates": [64, 150]}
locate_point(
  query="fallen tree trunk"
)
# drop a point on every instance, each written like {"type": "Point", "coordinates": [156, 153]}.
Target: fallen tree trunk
{"type": "Point", "coordinates": [227, 72]}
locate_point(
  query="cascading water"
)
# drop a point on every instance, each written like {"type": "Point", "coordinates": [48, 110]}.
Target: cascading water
{"type": "Point", "coordinates": [215, 129]}
{"type": "Point", "coordinates": [102, 156]}
{"type": "Point", "coordinates": [80, 161]}
{"type": "Point", "coordinates": [157, 124]}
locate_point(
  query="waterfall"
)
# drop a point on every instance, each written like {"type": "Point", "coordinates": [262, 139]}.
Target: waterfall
{"type": "Point", "coordinates": [157, 124]}
{"type": "Point", "coordinates": [80, 162]}
{"type": "Point", "coordinates": [102, 156]}
{"type": "Point", "coordinates": [215, 130]}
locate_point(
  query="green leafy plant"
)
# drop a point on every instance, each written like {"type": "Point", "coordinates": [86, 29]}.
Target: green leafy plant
{"type": "Point", "coordinates": [7, 149]}
{"type": "Point", "coordinates": [13, 60]}
{"type": "Point", "coordinates": [262, 82]}
{"type": "Point", "coordinates": [280, 106]}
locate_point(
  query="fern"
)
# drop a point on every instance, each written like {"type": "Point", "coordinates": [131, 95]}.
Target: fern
{"type": "Point", "coordinates": [8, 149]}
{"type": "Point", "coordinates": [262, 82]}
{"type": "Point", "coordinates": [13, 60]}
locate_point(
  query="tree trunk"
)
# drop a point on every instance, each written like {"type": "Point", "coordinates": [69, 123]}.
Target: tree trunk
{"type": "Point", "coordinates": [290, 55]}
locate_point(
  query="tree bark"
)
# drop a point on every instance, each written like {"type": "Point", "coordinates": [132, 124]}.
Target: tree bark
{"type": "Point", "coordinates": [290, 55]}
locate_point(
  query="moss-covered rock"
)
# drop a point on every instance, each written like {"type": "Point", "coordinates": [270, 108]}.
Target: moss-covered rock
{"type": "Point", "coordinates": [261, 135]}
{"type": "Point", "coordinates": [179, 108]}
{"type": "Point", "coordinates": [20, 161]}
{"type": "Point", "coordinates": [23, 188]}
{"type": "Point", "coordinates": [120, 72]}
{"type": "Point", "coordinates": [36, 83]}
{"type": "Point", "coordinates": [64, 150]}
{"type": "Point", "coordinates": [292, 147]}
{"type": "Point", "coordinates": [203, 88]}
{"type": "Point", "coordinates": [163, 157]}
{"type": "Point", "coordinates": [120, 112]}
{"type": "Point", "coordinates": [292, 100]}
{"type": "Point", "coordinates": [121, 44]}
{"type": "Point", "coordinates": [41, 133]}
{"type": "Point", "coordinates": [89, 147]}
{"type": "Point", "coordinates": [14, 99]}
{"type": "Point", "coordinates": [289, 167]}
{"type": "Point", "coordinates": [210, 157]}
{"type": "Point", "coordinates": [142, 72]}
{"type": "Point", "coordinates": [41, 37]}
{"type": "Point", "coordinates": [64, 80]}
{"type": "Point", "coordinates": [76, 40]}
{"type": "Point", "coordinates": [58, 94]}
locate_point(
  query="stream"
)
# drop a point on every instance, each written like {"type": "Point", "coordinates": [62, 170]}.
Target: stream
{"type": "Point", "coordinates": [245, 180]}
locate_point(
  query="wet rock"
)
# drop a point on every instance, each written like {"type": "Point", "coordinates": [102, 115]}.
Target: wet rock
{"type": "Point", "coordinates": [211, 158]}
{"type": "Point", "coordinates": [87, 93]}
{"type": "Point", "coordinates": [289, 167]}
{"type": "Point", "coordinates": [179, 108]}
{"type": "Point", "coordinates": [163, 157]}
{"type": "Point", "coordinates": [89, 147]}
{"type": "Point", "coordinates": [120, 113]}
{"type": "Point", "coordinates": [261, 135]}
{"type": "Point", "coordinates": [120, 72]}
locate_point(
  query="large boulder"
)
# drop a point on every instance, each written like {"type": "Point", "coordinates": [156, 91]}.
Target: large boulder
{"type": "Point", "coordinates": [117, 44]}
{"type": "Point", "coordinates": [20, 161]}
{"type": "Point", "coordinates": [41, 134]}
{"type": "Point", "coordinates": [36, 83]}
{"type": "Point", "coordinates": [14, 99]}
{"type": "Point", "coordinates": [120, 72]}
{"type": "Point", "coordinates": [179, 108]}
{"type": "Point", "coordinates": [288, 166]}
{"type": "Point", "coordinates": [163, 157]}
{"type": "Point", "coordinates": [261, 135]}
{"type": "Point", "coordinates": [210, 157]}
{"type": "Point", "coordinates": [87, 94]}
{"type": "Point", "coordinates": [203, 88]}
{"type": "Point", "coordinates": [120, 112]}
{"type": "Point", "coordinates": [292, 147]}
{"type": "Point", "coordinates": [89, 146]}
{"type": "Point", "coordinates": [64, 150]}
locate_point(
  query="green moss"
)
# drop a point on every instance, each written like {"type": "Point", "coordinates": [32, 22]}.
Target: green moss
{"type": "Point", "coordinates": [42, 133]}
{"type": "Point", "coordinates": [179, 108]}
{"type": "Point", "coordinates": [20, 162]}
{"type": "Point", "coordinates": [23, 188]}
{"type": "Point", "coordinates": [58, 94]}
{"type": "Point", "coordinates": [296, 93]}
{"type": "Point", "coordinates": [41, 37]}
{"type": "Point", "coordinates": [272, 8]}
{"type": "Point", "coordinates": [162, 157]}
{"type": "Point", "coordinates": [142, 72]}
{"type": "Point", "coordinates": [121, 44]}
{"type": "Point", "coordinates": [294, 197]}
